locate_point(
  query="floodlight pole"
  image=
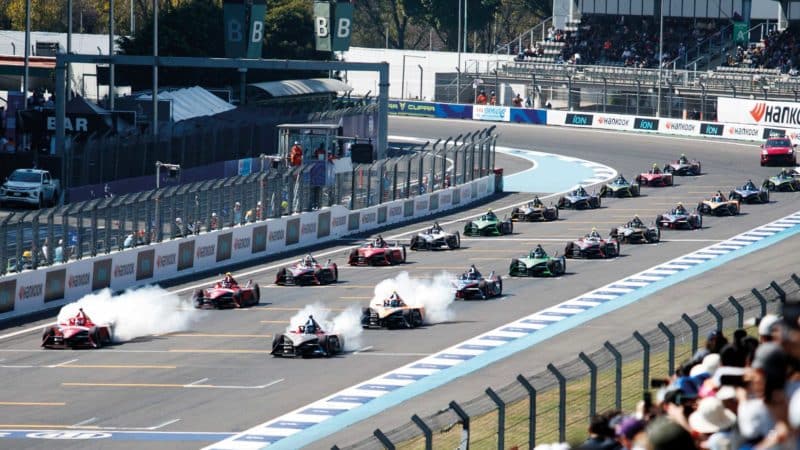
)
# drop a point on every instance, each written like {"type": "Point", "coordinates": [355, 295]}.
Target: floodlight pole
{"type": "Point", "coordinates": [111, 83]}
{"type": "Point", "coordinates": [159, 165]}
{"type": "Point", "coordinates": [660, 54]}
{"type": "Point", "coordinates": [154, 119]}
{"type": "Point", "coordinates": [27, 51]}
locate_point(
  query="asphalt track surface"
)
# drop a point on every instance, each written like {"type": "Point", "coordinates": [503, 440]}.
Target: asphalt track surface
{"type": "Point", "coordinates": [220, 378]}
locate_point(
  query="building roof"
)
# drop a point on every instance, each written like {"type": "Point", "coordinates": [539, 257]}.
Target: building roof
{"type": "Point", "coordinates": [192, 102]}
{"type": "Point", "coordinates": [288, 88]}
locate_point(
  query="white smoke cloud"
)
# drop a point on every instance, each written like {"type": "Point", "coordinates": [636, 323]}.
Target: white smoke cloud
{"type": "Point", "coordinates": [347, 323]}
{"type": "Point", "coordinates": [435, 295]}
{"type": "Point", "coordinates": [141, 312]}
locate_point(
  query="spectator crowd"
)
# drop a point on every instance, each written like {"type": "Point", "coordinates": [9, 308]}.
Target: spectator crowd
{"type": "Point", "coordinates": [630, 41]}
{"type": "Point", "coordinates": [733, 394]}
{"type": "Point", "coordinates": [778, 50]}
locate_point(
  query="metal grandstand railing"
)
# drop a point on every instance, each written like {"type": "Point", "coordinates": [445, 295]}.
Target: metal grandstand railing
{"type": "Point", "coordinates": [105, 225]}
{"type": "Point", "coordinates": [531, 36]}
{"type": "Point", "coordinates": [556, 404]}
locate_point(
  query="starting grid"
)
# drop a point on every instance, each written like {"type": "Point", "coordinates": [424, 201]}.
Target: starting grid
{"type": "Point", "coordinates": [333, 413]}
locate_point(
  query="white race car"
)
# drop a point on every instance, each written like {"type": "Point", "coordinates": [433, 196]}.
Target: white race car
{"type": "Point", "coordinates": [435, 238]}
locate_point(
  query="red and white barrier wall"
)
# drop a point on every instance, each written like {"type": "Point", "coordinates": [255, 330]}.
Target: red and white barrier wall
{"type": "Point", "coordinates": [49, 287]}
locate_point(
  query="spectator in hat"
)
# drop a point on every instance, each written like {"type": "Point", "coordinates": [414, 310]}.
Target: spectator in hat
{"type": "Point", "coordinates": [714, 343]}
{"type": "Point", "coordinates": [628, 433]}
{"type": "Point", "coordinates": [766, 328]}
{"type": "Point", "coordinates": [492, 98]}
{"type": "Point", "coordinates": [714, 424]}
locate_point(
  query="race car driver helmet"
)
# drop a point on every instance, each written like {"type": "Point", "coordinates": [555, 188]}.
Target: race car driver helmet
{"type": "Point", "coordinates": [594, 233]}
{"type": "Point", "coordinates": [308, 261]}
{"type": "Point", "coordinates": [683, 158]}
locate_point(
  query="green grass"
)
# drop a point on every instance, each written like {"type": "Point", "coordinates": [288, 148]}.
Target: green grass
{"type": "Point", "coordinates": [483, 432]}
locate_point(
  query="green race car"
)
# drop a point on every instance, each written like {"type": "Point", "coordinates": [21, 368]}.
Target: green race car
{"type": "Point", "coordinates": [620, 187]}
{"type": "Point", "coordinates": [783, 181]}
{"type": "Point", "coordinates": [538, 264]}
{"type": "Point", "coordinates": [488, 225]}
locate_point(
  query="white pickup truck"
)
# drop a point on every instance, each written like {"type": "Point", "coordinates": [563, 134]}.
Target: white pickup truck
{"type": "Point", "coordinates": [32, 186]}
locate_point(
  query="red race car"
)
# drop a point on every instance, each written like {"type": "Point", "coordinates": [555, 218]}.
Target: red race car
{"type": "Point", "coordinates": [308, 272]}
{"type": "Point", "coordinates": [227, 294]}
{"type": "Point", "coordinates": [77, 332]}
{"type": "Point", "coordinates": [655, 177]}
{"type": "Point", "coordinates": [778, 150]}
{"type": "Point", "coordinates": [377, 253]}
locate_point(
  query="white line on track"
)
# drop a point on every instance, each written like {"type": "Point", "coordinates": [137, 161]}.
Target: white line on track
{"type": "Point", "coordinates": [84, 422]}
{"type": "Point", "coordinates": [202, 380]}
{"type": "Point", "coordinates": [63, 363]}
{"type": "Point", "coordinates": [364, 349]}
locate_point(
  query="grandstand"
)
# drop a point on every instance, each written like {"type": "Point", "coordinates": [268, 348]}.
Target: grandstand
{"type": "Point", "coordinates": [604, 56]}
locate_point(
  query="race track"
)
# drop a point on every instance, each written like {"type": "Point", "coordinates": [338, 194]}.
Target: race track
{"type": "Point", "coordinates": [220, 378]}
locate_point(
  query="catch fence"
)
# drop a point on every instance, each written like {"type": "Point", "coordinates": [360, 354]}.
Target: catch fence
{"type": "Point", "coordinates": [556, 405]}
{"type": "Point", "coordinates": [31, 239]}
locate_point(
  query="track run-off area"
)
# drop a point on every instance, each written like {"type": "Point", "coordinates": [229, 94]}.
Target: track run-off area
{"type": "Point", "coordinates": [197, 387]}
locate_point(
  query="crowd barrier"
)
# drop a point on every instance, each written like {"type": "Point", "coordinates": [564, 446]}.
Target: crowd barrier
{"type": "Point", "coordinates": [49, 287]}
{"type": "Point", "coordinates": [618, 122]}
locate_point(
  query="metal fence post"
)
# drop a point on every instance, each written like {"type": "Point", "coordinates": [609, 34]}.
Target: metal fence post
{"type": "Point", "coordinates": [592, 382]}
{"type": "Point", "coordinates": [671, 347]}
{"type": "Point", "coordinates": [645, 359]}
{"type": "Point", "coordinates": [695, 331]}
{"type": "Point", "coordinates": [369, 186]}
{"type": "Point", "coordinates": [777, 288]}
{"type": "Point", "coordinates": [761, 300]}
{"type": "Point", "coordinates": [501, 417]}
{"type": "Point", "coordinates": [739, 311]}
{"type": "Point", "coordinates": [408, 179]}
{"type": "Point", "coordinates": [531, 410]}
{"type": "Point", "coordinates": [562, 402]}
{"type": "Point", "coordinates": [420, 176]}
{"type": "Point", "coordinates": [464, 445]}
{"type": "Point", "coordinates": [796, 279]}
{"type": "Point", "coordinates": [384, 440]}
{"type": "Point", "coordinates": [617, 375]}
{"type": "Point", "coordinates": [714, 312]}
{"type": "Point", "coordinates": [426, 430]}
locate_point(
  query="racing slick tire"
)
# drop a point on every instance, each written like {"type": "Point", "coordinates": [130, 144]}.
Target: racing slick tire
{"type": "Point", "coordinates": [280, 277]}
{"type": "Point", "coordinates": [455, 241]}
{"type": "Point", "coordinates": [512, 268]}
{"type": "Point", "coordinates": [764, 196]}
{"type": "Point", "coordinates": [635, 190]}
{"type": "Point", "coordinates": [256, 294]}
{"type": "Point", "coordinates": [612, 250]}
{"type": "Point", "coordinates": [569, 250]}
{"type": "Point", "coordinates": [96, 340]}
{"type": "Point", "coordinates": [499, 286]}
{"type": "Point", "coordinates": [333, 346]}
{"type": "Point", "coordinates": [604, 191]}
{"type": "Point", "coordinates": [237, 300]}
{"type": "Point", "coordinates": [416, 318]}
{"type": "Point", "coordinates": [654, 236]}
{"type": "Point", "coordinates": [335, 273]}
{"type": "Point", "coordinates": [414, 242]}
{"type": "Point", "coordinates": [197, 298]}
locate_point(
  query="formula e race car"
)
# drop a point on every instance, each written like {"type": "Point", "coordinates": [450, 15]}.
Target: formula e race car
{"type": "Point", "coordinates": [377, 253]}
{"type": "Point", "coordinates": [592, 246]}
{"type": "Point", "coordinates": [679, 218]}
{"type": "Point", "coordinates": [307, 341]}
{"type": "Point", "coordinates": [750, 193]}
{"type": "Point", "coordinates": [227, 295]}
{"type": "Point", "coordinates": [391, 313]}
{"type": "Point", "coordinates": [471, 284]}
{"type": "Point", "coordinates": [308, 271]}
{"type": "Point", "coordinates": [784, 181]}
{"type": "Point", "coordinates": [77, 332]}
{"type": "Point", "coordinates": [537, 264]}
{"type": "Point", "coordinates": [534, 211]}
{"type": "Point", "coordinates": [619, 187]}
{"type": "Point", "coordinates": [488, 225]}
{"type": "Point", "coordinates": [579, 199]}
{"type": "Point", "coordinates": [683, 167]}
{"type": "Point", "coordinates": [435, 238]}
{"type": "Point", "coordinates": [655, 177]}
{"type": "Point", "coordinates": [719, 205]}
{"type": "Point", "coordinates": [636, 232]}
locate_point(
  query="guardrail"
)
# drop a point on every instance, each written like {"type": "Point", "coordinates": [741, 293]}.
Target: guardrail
{"type": "Point", "coordinates": [132, 240]}
{"type": "Point", "coordinates": [556, 404]}
{"type": "Point", "coordinates": [105, 225]}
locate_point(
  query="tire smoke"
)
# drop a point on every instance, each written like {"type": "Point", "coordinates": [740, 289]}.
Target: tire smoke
{"type": "Point", "coordinates": [135, 313]}
{"type": "Point", "coordinates": [435, 295]}
{"type": "Point", "coordinates": [347, 323]}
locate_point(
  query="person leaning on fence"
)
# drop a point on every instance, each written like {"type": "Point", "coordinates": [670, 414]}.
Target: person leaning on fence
{"type": "Point", "coordinates": [296, 155]}
{"type": "Point", "coordinates": [517, 102]}
{"type": "Point", "coordinates": [237, 213]}
{"type": "Point", "coordinates": [58, 256]}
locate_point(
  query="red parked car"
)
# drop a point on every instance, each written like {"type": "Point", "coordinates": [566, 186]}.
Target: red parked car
{"type": "Point", "coordinates": [778, 150]}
